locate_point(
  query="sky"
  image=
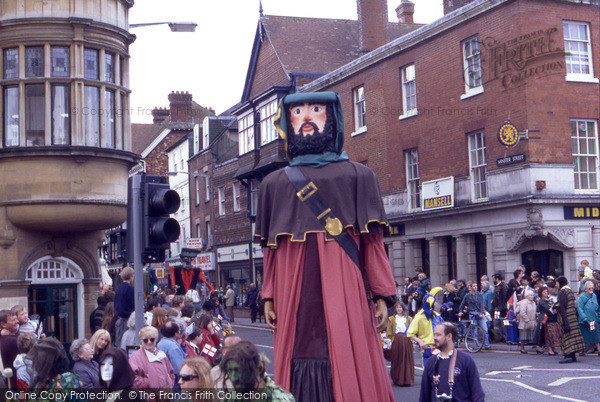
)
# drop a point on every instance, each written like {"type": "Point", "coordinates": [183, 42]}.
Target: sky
{"type": "Point", "coordinates": [212, 62]}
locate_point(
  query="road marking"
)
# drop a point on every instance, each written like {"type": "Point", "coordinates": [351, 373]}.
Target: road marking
{"type": "Point", "coordinates": [502, 372]}
{"type": "Point", "coordinates": [567, 398]}
{"type": "Point", "coordinates": [519, 384]}
{"type": "Point", "coordinates": [251, 327]}
{"type": "Point", "coordinates": [565, 380]}
{"type": "Point", "coordinates": [264, 346]}
{"type": "Point", "coordinates": [520, 367]}
{"type": "Point", "coordinates": [534, 389]}
{"type": "Point", "coordinates": [555, 369]}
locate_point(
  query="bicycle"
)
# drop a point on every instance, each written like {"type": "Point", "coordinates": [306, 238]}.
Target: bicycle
{"type": "Point", "coordinates": [472, 334]}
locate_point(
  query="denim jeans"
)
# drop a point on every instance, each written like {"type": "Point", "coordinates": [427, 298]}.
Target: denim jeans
{"type": "Point", "coordinates": [482, 322]}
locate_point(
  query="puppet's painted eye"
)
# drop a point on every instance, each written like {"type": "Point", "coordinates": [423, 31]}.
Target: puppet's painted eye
{"type": "Point", "coordinates": [317, 108]}
{"type": "Point", "coordinates": [296, 110]}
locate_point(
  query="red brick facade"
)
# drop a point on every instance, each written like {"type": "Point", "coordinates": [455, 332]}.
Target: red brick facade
{"type": "Point", "coordinates": [544, 101]}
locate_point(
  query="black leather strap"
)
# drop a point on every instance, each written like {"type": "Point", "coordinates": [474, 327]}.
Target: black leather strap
{"type": "Point", "coordinates": [307, 192]}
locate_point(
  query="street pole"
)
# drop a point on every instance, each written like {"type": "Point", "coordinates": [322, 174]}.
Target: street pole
{"type": "Point", "coordinates": [136, 232]}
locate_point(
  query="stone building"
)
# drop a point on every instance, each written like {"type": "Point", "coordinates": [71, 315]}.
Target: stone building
{"type": "Point", "coordinates": [65, 152]}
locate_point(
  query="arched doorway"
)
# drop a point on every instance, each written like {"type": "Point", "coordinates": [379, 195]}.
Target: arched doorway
{"type": "Point", "coordinates": [546, 262]}
{"type": "Point", "coordinates": [55, 297]}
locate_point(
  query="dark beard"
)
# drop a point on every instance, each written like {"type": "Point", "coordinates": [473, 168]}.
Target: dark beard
{"type": "Point", "coordinates": [317, 143]}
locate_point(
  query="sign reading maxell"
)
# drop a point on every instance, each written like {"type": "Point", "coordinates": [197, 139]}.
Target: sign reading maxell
{"type": "Point", "coordinates": [438, 194]}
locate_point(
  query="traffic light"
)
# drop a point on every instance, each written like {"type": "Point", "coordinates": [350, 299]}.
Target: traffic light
{"type": "Point", "coordinates": [158, 229]}
{"type": "Point", "coordinates": [116, 247]}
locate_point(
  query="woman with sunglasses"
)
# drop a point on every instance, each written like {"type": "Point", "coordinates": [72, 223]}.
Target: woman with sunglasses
{"type": "Point", "coordinates": [194, 374]}
{"type": "Point", "coordinates": [151, 365]}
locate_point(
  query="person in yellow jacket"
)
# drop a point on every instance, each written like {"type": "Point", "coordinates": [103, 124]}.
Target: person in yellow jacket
{"type": "Point", "coordinates": [421, 327]}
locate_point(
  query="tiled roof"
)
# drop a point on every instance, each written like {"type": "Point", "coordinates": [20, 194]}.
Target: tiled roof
{"type": "Point", "coordinates": [319, 45]}
{"type": "Point", "coordinates": [143, 134]}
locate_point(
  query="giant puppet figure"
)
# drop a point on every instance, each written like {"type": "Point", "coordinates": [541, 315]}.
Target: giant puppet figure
{"type": "Point", "coordinates": [321, 223]}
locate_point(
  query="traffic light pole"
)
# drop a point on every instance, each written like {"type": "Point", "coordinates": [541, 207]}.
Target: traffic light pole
{"type": "Point", "coordinates": [136, 233]}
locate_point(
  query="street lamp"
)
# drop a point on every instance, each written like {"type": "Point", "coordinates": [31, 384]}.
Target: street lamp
{"type": "Point", "coordinates": [175, 26]}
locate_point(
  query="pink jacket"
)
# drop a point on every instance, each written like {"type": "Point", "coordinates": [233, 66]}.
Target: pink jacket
{"type": "Point", "coordinates": [148, 375]}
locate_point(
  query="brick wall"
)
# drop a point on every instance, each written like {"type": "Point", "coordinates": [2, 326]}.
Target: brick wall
{"type": "Point", "coordinates": [268, 72]}
{"type": "Point", "coordinates": [542, 101]}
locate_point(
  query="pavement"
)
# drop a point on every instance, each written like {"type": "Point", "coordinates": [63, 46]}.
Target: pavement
{"type": "Point", "coordinates": [506, 375]}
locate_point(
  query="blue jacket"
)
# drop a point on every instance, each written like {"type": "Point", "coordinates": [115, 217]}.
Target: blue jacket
{"type": "Point", "coordinates": [124, 300]}
{"type": "Point", "coordinates": [174, 352]}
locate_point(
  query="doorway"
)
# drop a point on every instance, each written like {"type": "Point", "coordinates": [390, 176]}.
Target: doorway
{"type": "Point", "coordinates": [55, 307]}
{"type": "Point", "coordinates": [546, 262]}
{"type": "Point", "coordinates": [55, 298]}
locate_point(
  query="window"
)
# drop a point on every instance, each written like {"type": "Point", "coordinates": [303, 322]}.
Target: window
{"type": "Point", "coordinates": [409, 91]}
{"type": "Point", "coordinates": [477, 166]}
{"type": "Point", "coordinates": [206, 189]}
{"type": "Point", "coordinates": [472, 67]}
{"type": "Point", "coordinates": [196, 139]}
{"type": "Point", "coordinates": [61, 118]}
{"type": "Point", "coordinates": [236, 197]}
{"type": "Point", "coordinates": [90, 64]}
{"type": "Point", "coordinates": [123, 111]}
{"type": "Point", "coordinates": [268, 131]}
{"type": "Point", "coordinates": [197, 186]}
{"type": "Point", "coordinates": [578, 51]}
{"type": "Point", "coordinates": [413, 182]}
{"type": "Point", "coordinates": [11, 116]}
{"type": "Point", "coordinates": [198, 234]}
{"type": "Point", "coordinates": [121, 70]}
{"type": "Point", "coordinates": [109, 67]}
{"type": "Point", "coordinates": [11, 63]}
{"type": "Point", "coordinates": [109, 115]}
{"type": "Point", "coordinates": [254, 187]}
{"type": "Point", "coordinates": [209, 237]}
{"type": "Point", "coordinates": [246, 130]}
{"type": "Point", "coordinates": [34, 61]}
{"type": "Point", "coordinates": [59, 56]}
{"type": "Point", "coordinates": [360, 116]}
{"type": "Point", "coordinates": [205, 132]}
{"type": "Point", "coordinates": [34, 120]}
{"type": "Point", "coordinates": [584, 137]}
{"type": "Point", "coordinates": [221, 194]}
{"type": "Point", "coordinates": [92, 116]}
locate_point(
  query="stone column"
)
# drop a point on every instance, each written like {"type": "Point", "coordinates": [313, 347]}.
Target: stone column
{"type": "Point", "coordinates": [489, 257]}
{"type": "Point", "coordinates": [409, 258]}
{"type": "Point", "coordinates": [596, 245]}
{"type": "Point", "coordinates": [434, 262]}
{"type": "Point", "coordinates": [461, 257]}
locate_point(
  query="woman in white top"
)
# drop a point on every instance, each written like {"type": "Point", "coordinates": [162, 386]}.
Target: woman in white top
{"type": "Point", "coordinates": [403, 363]}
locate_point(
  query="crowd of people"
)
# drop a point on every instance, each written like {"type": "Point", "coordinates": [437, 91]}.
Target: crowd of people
{"type": "Point", "coordinates": [528, 310]}
{"type": "Point", "coordinates": [183, 346]}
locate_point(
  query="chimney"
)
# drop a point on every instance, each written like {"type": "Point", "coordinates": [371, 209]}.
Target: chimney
{"type": "Point", "coordinates": [451, 5]}
{"type": "Point", "coordinates": [405, 12]}
{"type": "Point", "coordinates": [372, 24]}
{"type": "Point", "coordinates": [181, 107]}
{"type": "Point", "coordinates": [160, 115]}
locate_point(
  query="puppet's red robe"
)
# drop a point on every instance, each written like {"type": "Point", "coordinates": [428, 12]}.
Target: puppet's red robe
{"type": "Point", "coordinates": [357, 365]}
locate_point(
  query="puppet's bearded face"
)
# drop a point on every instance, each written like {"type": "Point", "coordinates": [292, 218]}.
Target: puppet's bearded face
{"type": "Point", "coordinates": [310, 128]}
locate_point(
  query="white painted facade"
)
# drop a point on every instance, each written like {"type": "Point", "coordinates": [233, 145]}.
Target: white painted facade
{"type": "Point", "coordinates": [178, 157]}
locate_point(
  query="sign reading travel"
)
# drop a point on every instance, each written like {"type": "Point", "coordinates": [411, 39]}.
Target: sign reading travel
{"type": "Point", "coordinates": [438, 194]}
{"type": "Point", "coordinates": [508, 135]}
{"type": "Point", "coordinates": [582, 212]}
{"type": "Point", "coordinates": [204, 261]}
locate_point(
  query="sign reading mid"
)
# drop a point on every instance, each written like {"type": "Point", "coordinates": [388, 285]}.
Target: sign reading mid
{"type": "Point", "coordinates": [438, 194]}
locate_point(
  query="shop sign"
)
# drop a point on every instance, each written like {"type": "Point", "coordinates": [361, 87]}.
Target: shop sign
{"type": "Point", "coordinates": [509, 160]}
{"type": "Point", "coordinates": [438, 194]}
{"type": "Point", "coordinates": [160, 273]}
{"type": "Point", "coordinates": [582, 212]}
{"type": "Point", "coordinates": [238, 252]}
{"type": "Point", "coordinates": [204, 261]}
